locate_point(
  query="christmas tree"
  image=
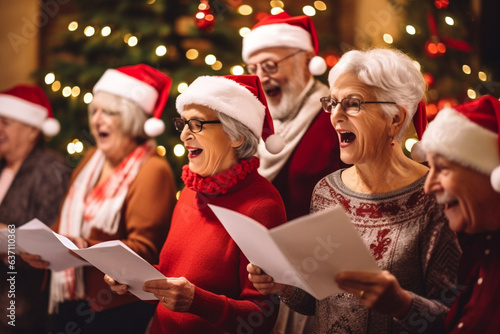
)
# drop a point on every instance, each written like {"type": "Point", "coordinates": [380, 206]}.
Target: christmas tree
{"type": "Point", "coordinates": [179, 38]}
{"type": "Point", "coordinates": [184, 39]}
{"type": "Point", "coordinates": [443, 36]}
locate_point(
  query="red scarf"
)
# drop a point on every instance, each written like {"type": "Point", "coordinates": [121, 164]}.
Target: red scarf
{"type": "Point", "coordinates": [220, 183]}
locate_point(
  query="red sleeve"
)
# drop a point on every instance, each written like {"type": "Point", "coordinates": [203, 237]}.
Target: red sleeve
{"type": "Point", "coordinates": [251, 312]}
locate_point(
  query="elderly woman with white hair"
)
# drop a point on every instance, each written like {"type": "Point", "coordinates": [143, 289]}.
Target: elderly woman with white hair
{"type": "Point", "coordinates": [374, 96]}
{"type": "Point", "coordinates": [207, 289]}
{"type": "Point", "coordinates": [121, 190]}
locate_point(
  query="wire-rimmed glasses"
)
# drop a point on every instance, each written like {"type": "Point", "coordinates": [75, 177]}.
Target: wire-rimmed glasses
{"type": "Point", "coordinates": [268, 66]}
{"type": "Point", "coordinates": [350, 105]}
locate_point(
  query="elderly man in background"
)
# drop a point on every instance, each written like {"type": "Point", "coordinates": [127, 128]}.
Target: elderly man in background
{"type": "Point", "coordinates": [281, 50]}
{"type": "Point", "coordinates": [462, 146]}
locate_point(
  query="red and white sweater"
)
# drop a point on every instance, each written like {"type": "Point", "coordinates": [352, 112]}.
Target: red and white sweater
{"type": "Point", "coordinates": [199, 248]}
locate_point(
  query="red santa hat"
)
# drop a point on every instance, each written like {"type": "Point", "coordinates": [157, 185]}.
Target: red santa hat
{"type": "Point", "coordinates": [142, 84]}
{"type": "Point", "coordinates": [29, 104]}
{"type": "Point", "coordinates": [468, 135]}
{"type": "Point", "coordinates": [283, 30]}
{"type": "Point", "coordinates": [238, 96]}
{"type": "Point", "coordinates": [420, 123]}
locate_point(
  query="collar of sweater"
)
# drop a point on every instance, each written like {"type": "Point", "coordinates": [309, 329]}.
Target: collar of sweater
{"type": "Point", "coordinates": [219, 184]}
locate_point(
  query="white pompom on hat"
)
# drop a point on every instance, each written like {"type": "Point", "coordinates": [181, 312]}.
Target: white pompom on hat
{"type": "Point", "coordinates": [468, 135]}
{"type": "Point", "coordinates": [238, 96]}
{"type": "Point", "coordinates": [284, 30]}
{"type": "Point", "coordinates": [142, 84]}
{"type": "Point", "coordinates": [29, 105]}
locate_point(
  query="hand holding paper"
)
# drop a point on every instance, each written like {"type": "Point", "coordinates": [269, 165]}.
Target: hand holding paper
{"type": "Point", "coordinates": [36, 238]}
{"type": "Point", "coordinates": [111, 257]}
{"type": "Point", "coordinates": [121, 263]}
{"type": "Point", "coordinates": [307, 252]}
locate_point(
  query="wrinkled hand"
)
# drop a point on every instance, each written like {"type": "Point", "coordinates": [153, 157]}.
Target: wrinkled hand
{"type": "Point", "coordinates": [265, 284]}
{"type": "Point", "coordinates": [34, 260]}
{"type": "Point", "coordinates": [120, 289]}
{"type": "Point", "coordinates": [175, 293]}
{"type": "Point", "coordinates": [378, 291]}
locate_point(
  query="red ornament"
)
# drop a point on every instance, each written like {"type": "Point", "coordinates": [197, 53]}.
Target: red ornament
{"type": "Point", "coordinates": [431, 111]}
{"type": "Point", "coordinates": [331, 59]}
{"type": "Point", "coordinates": [204, 17]}
{"type": "Point", "coordinates": [441, 4]}
{"type": "Point", "coordinates": [435, 49]}
{"type": "Point", "coordinates": [429, 79]}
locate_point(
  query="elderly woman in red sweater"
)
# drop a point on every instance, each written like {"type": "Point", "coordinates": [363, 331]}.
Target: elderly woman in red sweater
{"type": "Point", "coordinates": [207, 289]}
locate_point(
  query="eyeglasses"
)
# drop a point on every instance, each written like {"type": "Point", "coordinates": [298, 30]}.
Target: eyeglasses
{"type": "Point", "coordinates": [194, 125]}
{"type": "Point", "coordinates": [268, 66]}
{"type": "Point", "coordinates": [350, 105]}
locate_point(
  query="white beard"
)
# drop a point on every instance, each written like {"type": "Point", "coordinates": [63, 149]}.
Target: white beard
{"type": "Point", "coordinates": [290, 98]}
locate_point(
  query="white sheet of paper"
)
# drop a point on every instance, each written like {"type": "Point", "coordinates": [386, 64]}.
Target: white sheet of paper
{"type": "Point", "coordinates": [37, 238]}
{"type": "Point", "coordinates": [306, 252]}
{"type": "Point", "coordinates": [124, 265]}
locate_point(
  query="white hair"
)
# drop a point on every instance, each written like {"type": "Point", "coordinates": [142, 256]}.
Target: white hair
{"type": "Point", "coordinates": [237, 130]}
{"type": "Point", "coordinates": [132, 115]}
{"type": "Point", "coordinates": [393, 75]}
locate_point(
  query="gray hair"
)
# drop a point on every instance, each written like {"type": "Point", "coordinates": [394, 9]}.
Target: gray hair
{"type": "Point", "coordinates": [132, 115]}
{"type": "Point", "coordinates": [393, 76]}
{"type": "Point", "coordinates": [237, 130]}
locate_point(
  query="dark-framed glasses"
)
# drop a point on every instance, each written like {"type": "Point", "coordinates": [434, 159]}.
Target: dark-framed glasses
{"type": "Point", "coordinates": [194, 125]}
{"type": "Point", "coordinates": [268, 66]}
{"type": "Point", "coordinates": [350, 105]}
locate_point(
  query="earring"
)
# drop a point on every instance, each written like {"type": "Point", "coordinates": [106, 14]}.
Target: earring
{"type": "Point", "coordinates": [392, 143]}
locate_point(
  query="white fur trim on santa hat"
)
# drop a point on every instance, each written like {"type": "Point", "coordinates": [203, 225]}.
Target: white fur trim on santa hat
{"type": "Point", "coordinates": [225, 96]}
{"type": "Point", "coordinates": [23, 111]}
{"type": "Point", "coordinates": [454, 136]}
{"type": "Point", "coordinates": [121, 84]}
{"type": "Point", "coordinates": [276, 35]}
{"type": "Point", "coordinates": [51, 127]}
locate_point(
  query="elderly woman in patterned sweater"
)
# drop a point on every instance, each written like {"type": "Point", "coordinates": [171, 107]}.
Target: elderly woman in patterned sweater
{"type": "Point", "coordinates": [207, 289]}
{"type": "Point", "coordinates": [373, 97]}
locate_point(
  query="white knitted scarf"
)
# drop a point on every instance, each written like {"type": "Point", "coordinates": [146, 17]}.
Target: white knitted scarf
{"type": "Point", "coordinates": [292, 130]}
{"type": "Point", "coordinates": [88, 206]}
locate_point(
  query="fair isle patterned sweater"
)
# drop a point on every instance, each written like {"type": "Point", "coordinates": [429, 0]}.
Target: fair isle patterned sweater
{"type": "Point", "coordinates": [408, 235]}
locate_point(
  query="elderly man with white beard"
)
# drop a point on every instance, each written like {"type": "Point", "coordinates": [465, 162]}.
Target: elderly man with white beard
{"type": "Point", "coordinates": [462, 146]}
{"type": "Point", "coordinates": [282, 51]}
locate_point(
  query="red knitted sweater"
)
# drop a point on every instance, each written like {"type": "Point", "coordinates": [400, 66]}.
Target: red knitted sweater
{"type": "Point", "coordinates": [199, 248]}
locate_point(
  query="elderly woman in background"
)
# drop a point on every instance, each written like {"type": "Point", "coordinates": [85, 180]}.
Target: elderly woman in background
{"type": "Point", "coordinates": [121, 190]}
{"type": "Point", "coordinates": [207, 289]}
{"type": "Point", "coordinates": [33, 181]}
{"type": "Point", "coordinates": [373, 97]}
